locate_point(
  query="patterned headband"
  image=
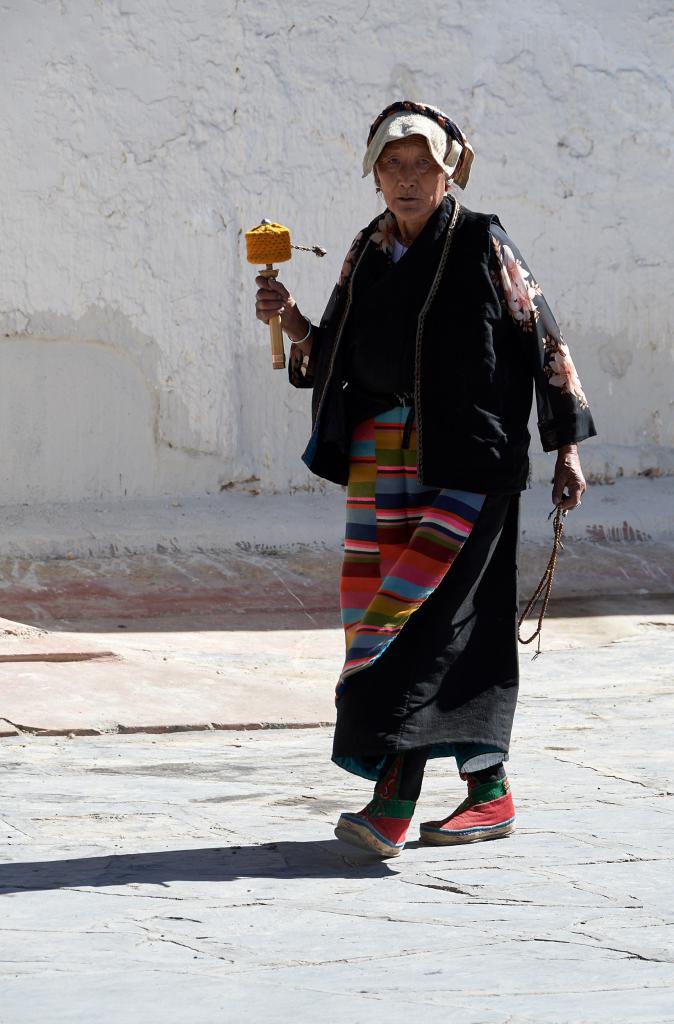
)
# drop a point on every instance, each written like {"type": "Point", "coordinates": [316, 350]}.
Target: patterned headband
{"type": "Point", "coordinates": [452, 130]}
{"type": "Point", "coordinates": [409, 107]}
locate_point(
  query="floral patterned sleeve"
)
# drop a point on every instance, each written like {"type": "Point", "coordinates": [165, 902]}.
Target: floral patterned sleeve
{"type": "Point", "coordinates": [563, 413]}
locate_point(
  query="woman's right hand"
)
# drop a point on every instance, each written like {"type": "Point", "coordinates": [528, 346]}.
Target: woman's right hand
{"type": "Point", "coordinates": [274, 299]}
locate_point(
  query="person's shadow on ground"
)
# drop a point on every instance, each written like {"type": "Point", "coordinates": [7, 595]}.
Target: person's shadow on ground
{"type": "Point", "coordinates": [284, 860]}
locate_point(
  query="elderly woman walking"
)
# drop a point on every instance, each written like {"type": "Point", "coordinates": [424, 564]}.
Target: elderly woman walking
{"type": "Point", "coordinates": [423, 369]}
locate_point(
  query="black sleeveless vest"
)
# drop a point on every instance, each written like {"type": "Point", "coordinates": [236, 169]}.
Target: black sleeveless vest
{"type": "Point", "coordinates": [472, 385]}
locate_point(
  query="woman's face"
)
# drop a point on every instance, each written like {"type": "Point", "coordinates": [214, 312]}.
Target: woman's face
{"type": "Point", "coordinates": [412, 183]}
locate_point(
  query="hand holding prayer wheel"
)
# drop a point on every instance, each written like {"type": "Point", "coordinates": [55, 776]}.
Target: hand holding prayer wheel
{"type": "Point", "coordinates": [274, 299]}
{"type": "Point", "coordinates": [270, 243]}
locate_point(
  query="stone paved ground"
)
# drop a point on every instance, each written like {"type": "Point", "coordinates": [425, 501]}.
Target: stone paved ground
{"type": "Point", "coordinates": [195, 877]}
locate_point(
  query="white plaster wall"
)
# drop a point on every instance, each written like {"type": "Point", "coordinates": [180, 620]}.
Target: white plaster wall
{"type": "Point", "coordinates": [141, 137]}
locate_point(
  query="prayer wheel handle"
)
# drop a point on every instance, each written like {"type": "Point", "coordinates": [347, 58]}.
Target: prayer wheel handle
{"type": "Point", "coordinates": [278, 356]}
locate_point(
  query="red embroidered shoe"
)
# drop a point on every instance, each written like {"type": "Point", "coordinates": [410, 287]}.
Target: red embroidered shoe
{"type": "Point", "coordinates": [378, 834]}
{"type": "Point", "coordinates": [488, 812]}
{"type": "Point", "coordinates": [382, 826]}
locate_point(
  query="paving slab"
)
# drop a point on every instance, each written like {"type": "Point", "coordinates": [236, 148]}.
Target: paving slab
{"type": "Point", "coordinates": [160, 675]}
{"type": "Point", "coordinates": [193, 875]}
{"type": "Point", "coordinates": [196, 877]}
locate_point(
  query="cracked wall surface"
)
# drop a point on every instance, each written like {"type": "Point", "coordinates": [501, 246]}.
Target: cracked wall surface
{"type": "Point", "coordinates": [142, 139]}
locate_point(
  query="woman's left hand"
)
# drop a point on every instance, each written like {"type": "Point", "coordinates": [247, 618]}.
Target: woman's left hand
{"type": "Point", "coordinates": [568, 477]}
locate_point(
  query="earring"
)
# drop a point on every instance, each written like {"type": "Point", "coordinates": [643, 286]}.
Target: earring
{"type": "Point", "coordinates": [378, 190]}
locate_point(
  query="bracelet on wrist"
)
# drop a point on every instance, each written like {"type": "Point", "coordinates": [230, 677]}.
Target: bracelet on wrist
{"type": "Point", "coordinates": [306, 336]}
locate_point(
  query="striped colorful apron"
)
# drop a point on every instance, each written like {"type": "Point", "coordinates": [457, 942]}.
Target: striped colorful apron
{"type": "Point", "coordinates": [401, 538]}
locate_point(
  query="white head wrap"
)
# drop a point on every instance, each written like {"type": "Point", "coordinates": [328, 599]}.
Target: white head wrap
{"type": "Point", "coordinates": [445, 151]}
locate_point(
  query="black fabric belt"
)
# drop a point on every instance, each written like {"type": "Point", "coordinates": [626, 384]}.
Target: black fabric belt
{"type": "Point", "coordinates": [363, 404]}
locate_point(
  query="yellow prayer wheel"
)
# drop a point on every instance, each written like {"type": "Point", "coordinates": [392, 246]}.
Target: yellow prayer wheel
{"type": "Point", "coordinates": [265, 245]}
